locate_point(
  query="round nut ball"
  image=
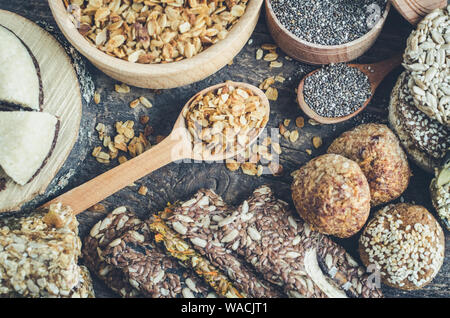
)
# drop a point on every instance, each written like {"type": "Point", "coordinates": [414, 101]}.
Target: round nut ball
{"type": "Point", "coordinates": [377, 151]}
{"type": "Point", "coordinates": [406, 243]}
{"type": "Point", "coordinates": [331, 193]}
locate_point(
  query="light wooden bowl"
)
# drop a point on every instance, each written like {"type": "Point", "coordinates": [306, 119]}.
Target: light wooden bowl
{"type": "Point", "coordinates": [162, 76]}
{"type": "Point", "coordinates": [414, 10]}
{"type": "Point", "coordinates": [317, 54]}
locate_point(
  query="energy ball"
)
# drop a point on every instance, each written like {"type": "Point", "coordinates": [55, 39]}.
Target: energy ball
{"type": "Point", "coordinates": [332, 194]}
{"type": "Point", "coordinates": [406, 244]}
{"type": "Point", "coordinates": [377, 151]}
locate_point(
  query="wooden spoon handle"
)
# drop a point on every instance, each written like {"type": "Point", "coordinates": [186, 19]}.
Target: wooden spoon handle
{"type": "Point", "coordinates": [378, 71]}
{"type": "Point", "coordinates": [106, 184]}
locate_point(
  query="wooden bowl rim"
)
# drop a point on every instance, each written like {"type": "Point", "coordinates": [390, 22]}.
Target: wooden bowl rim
{"type": "Point", "coordinates": [103, 60]}
{"type": "Point", "coordinates": [400, 5]}
{"type": "Point", "coordinates": [355, 43]}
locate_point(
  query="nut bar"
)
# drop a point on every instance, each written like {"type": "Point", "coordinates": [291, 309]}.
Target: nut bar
{"type": "Point", "coordinates": [39, 255]}
{"type": "Point", "coordinates": [182, 251]}
{"type": "Point", "coordinates": [149, 270]}
{"type": "Point", "coordinates": [344, 271]}
{"type": "Point", "coordinates": [192, 220]}
{"type": "Point", "coordinates": [84, 289]}
{"type": "Point", "coordinates": [103, 233]}
{"type": "Point", "coordinates": [288, 253]}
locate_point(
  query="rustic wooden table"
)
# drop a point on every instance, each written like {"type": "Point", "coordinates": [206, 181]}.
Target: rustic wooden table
{"type": "Point", "coordinates": [180, 181]}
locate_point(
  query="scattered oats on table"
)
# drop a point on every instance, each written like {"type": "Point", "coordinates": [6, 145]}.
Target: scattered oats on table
{"type": "Point", "coordinates": [266, 83]}
{"type": "Point", "coordinates": [126, 140]}
{"type": "Point", "coordinates": [270, 57]}
{"type": "Point", "coordinates": [300, 122]}
{"type": "Point", "coordinates": [276, 64]}
{"type": "Point", "coordinates": [144, 119]}
{"type": "Point", "coordinates": [269, 47]}
{"type": "Point", "coordinates": [313, 122]}
{"type": "Point", "coordinates": [293, 137]}
{"type": "Point", "coordinates": [259, 54]}
{"type": "Point", "coordinates": [279, 79]}
{"type": "Point", "coordinates": [143, 190]}
{"type": "Point", "coordinates": [255, 159]}
{"type": "Point", "coordinates": [122, 88]}
{"type": "Point", "coordinates": [97, 208]}
{"type": "Point", "coordinates": [134, 103]}
{"type": "Point", "coordinates": [144, 101]}
{"type": "Point", "coordinates": [97, 98]}
{"type": "Point", "coordinates": [232, 165]}
{"type": "Point", "coordinates": [317, 142]}
{"type": "Point", "coordinates": [272, 93]}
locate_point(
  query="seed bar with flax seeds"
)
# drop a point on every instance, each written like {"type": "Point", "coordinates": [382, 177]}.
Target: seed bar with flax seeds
{"type": "Point", "coordinates": [192, 220]}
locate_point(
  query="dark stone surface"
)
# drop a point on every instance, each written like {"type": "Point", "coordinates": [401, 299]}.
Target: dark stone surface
{"type": "Point", "coordinates": [180, 181]}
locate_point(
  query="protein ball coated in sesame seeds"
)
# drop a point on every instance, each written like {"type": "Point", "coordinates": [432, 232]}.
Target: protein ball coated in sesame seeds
{"type": "Point", "coordinates": [336, 90]}
{"type": "Point", "coordinates": [406, 243]}
{"type": "Point", "coordinates": [328, 22]}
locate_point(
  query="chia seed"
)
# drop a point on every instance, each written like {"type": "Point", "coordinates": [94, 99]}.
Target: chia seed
{"type": "Point", "coordinates": [336, 90]}
{"type": "Point", "coordinates": [328, 22]}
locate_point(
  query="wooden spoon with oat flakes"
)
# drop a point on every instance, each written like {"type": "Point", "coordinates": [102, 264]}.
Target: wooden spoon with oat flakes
{"type": "Point", "coordinates": [216, 124]}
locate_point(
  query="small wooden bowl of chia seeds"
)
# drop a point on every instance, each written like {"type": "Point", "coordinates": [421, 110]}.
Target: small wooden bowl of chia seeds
{"type": "Point", "coordinates": [326, 31]}
{"type": "Point", "coordinates": [337, 92]}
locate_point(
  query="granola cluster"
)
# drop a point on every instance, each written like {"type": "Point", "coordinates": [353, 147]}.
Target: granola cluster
{"type": "Point", "coordinates": [151, 31]}
{"type": "Point", "coordinates": [225, 120]}
{"type": "Point", "coordinates": [39, 255]}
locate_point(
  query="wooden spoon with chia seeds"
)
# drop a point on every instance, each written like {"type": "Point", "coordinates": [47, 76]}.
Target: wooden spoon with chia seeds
{"type": "Point", "coordinates": [176, 147]}
{"type": "Point", "coordinates": [375, 73]}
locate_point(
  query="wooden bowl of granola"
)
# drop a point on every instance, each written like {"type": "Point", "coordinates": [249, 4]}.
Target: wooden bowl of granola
{"type": "Point", "coordinates": [318, 54]}
{"type": "Point", "coordinates": [162, 74]}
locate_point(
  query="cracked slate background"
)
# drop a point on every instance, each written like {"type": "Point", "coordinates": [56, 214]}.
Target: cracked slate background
{"type": "Point", "coordinates": [180, 181]}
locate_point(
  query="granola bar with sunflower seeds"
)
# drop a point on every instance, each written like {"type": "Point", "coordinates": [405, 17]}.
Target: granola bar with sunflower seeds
{"type": "Point", "coordinates": [178, 248]}
{"type": "Point", "coordinates": [192, 220]}
{"type": "Point", "coordinates": [39, 254]}
{"type": "Point", "coordinates": [288, 253]}
{"type": "Point", "coordinates": [103, 233]}
{"type": "Point", "coordinates": [149, 270]}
